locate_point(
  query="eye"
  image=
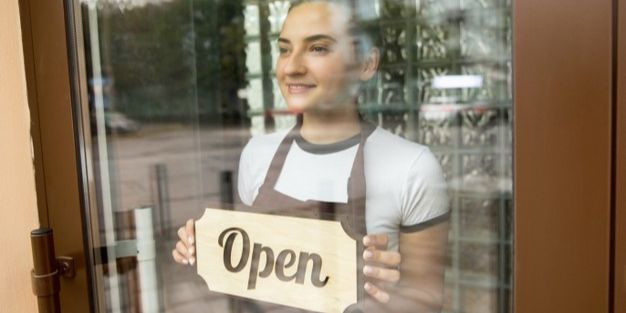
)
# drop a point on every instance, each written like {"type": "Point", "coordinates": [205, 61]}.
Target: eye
{"type": "Point", "coordinates": [319, 49]}
{"type": "Point", "coordinates": [283, 50]}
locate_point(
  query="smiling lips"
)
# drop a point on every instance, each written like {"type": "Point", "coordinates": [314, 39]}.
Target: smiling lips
{"type": "Point", "coordinates": [299, 88]}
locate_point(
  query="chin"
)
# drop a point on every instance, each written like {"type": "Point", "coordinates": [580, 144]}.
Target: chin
{"type": "Point", "coordinates": [297, 107]}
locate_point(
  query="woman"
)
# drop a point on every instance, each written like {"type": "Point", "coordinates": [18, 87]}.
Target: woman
{"type": "Point", "coordinates": [324, 58]}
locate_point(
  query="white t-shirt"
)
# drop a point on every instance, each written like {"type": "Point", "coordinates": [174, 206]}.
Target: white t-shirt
{"type": "Point", "coordinates": [406, 190]}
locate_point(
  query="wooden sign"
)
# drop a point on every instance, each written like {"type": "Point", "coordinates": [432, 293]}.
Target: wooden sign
{"type": "Point", "coordinates": [303, 263]}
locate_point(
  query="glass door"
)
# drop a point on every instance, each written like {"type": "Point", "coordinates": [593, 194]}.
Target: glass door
{"type": "Point", "coordinates": [172, 92]}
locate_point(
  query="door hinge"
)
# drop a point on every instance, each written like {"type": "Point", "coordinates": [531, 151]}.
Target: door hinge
{"type": "Point", "coordinates": [47, 269]}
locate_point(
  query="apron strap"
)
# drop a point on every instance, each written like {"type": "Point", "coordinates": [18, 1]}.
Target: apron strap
{"type": "Point", "coordinates": [354, 210]}
{"type": "Point", "coordinates": [357, 186]}
{"type": "Point", "coordinates": [281, 155]}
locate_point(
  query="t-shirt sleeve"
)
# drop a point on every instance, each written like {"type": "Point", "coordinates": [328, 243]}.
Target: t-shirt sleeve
{"type": "Point", "coordinates": [424, 197]}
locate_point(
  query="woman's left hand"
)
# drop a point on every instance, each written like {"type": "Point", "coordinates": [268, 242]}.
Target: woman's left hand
{"type": "Point", "coordinates": [380, 264]}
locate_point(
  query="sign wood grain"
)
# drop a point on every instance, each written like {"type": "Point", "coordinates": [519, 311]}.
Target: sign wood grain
{"type": "Point", "coordinates": [298, 262]}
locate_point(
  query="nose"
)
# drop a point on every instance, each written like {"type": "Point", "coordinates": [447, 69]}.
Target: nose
{"type": "Point", "coordinates": [294, 65]}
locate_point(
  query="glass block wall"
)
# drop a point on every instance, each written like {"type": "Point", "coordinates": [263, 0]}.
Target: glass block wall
{"type": "Point", "coordinates": [445, 82]}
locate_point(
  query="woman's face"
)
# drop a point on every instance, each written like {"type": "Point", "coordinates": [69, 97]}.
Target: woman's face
{"type": "Point", "coordinates": [317, 69]}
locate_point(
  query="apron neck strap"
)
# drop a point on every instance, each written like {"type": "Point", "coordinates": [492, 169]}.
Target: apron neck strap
{"type": "Point", "coordinates": [283, 149]}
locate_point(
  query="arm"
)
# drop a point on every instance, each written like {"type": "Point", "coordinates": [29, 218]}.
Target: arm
{"type": "Point", "coordinates": [423, 267]}
{"type": "Point", "coordinates": [418, 285]}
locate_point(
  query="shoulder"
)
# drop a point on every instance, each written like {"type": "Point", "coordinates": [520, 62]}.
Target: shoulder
{"type": "Point", "coordinates": [254, 162]}
{"type": "Point", "coordinates": [387, 147]}
{"type": "Point", "coordinates": [263, 145]}
{"type": "Point", "coordinates": [266, 141]}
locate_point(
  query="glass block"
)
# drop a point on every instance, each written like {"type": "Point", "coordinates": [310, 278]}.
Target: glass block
{"type": "Point", "coordinates": [495, 86]}
{"type": "Point", "coordinates": [437, 125]}
{"type": "Point", "coordinates": [395, 122]}
{"type": "Point", "coordinates": [448, 298]}
{"type": "Point", "coordinates": [394, 42]}
{"type": "Point", "coordinates": [481, 172]}
{"type": "Point", "coordinates": [253, 57]}
{"type": "Point", "coordinates": [479, 300]}
{"type": "Point", "coordinates": [392, 92]}
{"type": "Point", "coordinates": [278, 13]}
{"type": "Point", "coordinates": [480, 218]}
{"type": "Point", "coordinates": [482, 4]}
{"type": "Point", "coordinates": [428, 94]}
{"type": "Point", "coordinates": [447, 165]}
{"type": "Point", "coordinates": [481, 42]}
{"type": "Point", "coordinates": [479, 262]}
{"type": "Point", "coordinates": [392, 8]}
{"type": "Point", "coordinates": [392, 75]}
{"type": "Point", "coordinates": [434, 8]}
{"type": "Point", "coordinates": [431, 43]}
{"type": "Point", "coordinates": [251, 22]}
{"type": "Point", "coordinates": [480, 126]}
{"type": "Point", "coordinates": [254, 93]}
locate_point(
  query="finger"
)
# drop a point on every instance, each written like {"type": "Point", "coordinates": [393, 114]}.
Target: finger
{"type": "Point", "coordinates": [384, 274]}
{"type": "Point", "coordinates": [190, 228]}
{"type": "Point", "coordinates": [376, 240]}
{"type": "Point", "coordinates": [376, 293]}
{"type": "Point", "coordinates": [182, 249]}
{"type": "Point", "coordinates": [388, 258]}
{"type": "Point", "coordinates": [182, 235]}
{"type": "Point", "coordinates": [179, 258]}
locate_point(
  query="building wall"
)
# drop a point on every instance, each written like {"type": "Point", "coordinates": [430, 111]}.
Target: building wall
{"type": "Point", "coordinates": [18, 208]}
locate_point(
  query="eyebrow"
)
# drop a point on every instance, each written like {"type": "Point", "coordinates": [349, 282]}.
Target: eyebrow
{"type": "Point", "coordinates": [310, 38]}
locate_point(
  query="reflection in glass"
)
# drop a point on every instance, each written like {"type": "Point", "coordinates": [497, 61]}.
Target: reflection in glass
{"type": "Point", "coordinates": [176, 88]}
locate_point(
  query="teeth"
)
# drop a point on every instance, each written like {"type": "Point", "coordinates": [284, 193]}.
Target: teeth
{"type": "Point", "coordinates": [296, 88]}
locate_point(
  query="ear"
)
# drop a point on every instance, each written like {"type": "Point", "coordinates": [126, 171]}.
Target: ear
{"type": "Point", "coordinates": [370, 66]}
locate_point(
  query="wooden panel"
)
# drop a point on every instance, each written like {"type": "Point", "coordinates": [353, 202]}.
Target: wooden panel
{"type": "Point", "coordinates": [318, 275]}
{"type": "Point", "coordinates": [55, 150]}
{"type": "Point", "coordinates": [562, 75]}
{"type": "Point", "coordinates": [619, 299]}
{"type": "Point", "coordinates": [18, 205]}
{"type": "Point", "coordinates": [29, 64]}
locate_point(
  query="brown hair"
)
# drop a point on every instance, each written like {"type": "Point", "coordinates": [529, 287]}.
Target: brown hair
{"type": "Point", "coordinates": [363, 27]}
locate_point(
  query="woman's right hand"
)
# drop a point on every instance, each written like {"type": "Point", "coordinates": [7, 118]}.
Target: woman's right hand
{"type": "Point", "coordinates": [184, 252]}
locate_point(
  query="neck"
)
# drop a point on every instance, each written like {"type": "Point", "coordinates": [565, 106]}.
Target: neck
{"type": "Point", "coordinates": [330, 127]}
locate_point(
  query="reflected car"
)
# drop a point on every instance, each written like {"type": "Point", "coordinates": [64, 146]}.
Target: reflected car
{"type": "Point", "coordinates": [116, 122]}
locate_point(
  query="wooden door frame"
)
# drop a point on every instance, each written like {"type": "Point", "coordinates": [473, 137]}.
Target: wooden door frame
{"type": "Point", "coordinates": [563, 155]}
{"type": "Point", "coordinates": [619, 244]}
{"type": "Point", "coordinates": [55, 145]}
{"type": "Point", "coordinates": [562, 209]}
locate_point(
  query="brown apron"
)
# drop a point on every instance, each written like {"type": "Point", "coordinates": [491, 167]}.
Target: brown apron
{"type": "Point", "coordinates": [351, 214]}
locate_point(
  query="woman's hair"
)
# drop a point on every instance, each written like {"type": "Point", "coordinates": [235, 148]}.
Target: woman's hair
{"type": "Point", "coordinates": [364, 22]}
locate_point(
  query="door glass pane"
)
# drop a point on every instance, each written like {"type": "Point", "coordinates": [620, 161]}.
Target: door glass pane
{"type": "Point", "coordinates": [174, 90]}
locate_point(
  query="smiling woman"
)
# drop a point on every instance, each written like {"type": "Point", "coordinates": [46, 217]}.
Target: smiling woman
{"type": "Point", "coordinates": [333, 162]}
{"type": "Point", "coordinates": [317, 69]}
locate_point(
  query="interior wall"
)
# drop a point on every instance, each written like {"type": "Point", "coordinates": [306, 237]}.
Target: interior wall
{"type": "Point", "coordinates": [18, 204]}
